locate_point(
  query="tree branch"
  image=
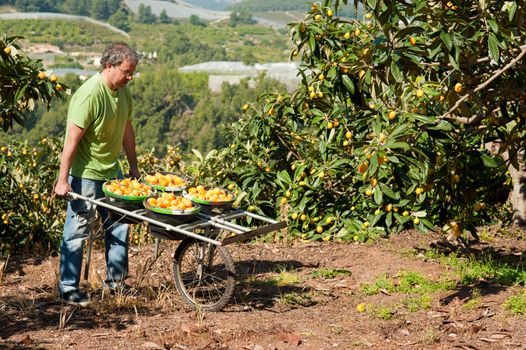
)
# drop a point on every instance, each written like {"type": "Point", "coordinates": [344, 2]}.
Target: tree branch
{"type": "Point", "coordinates": [482, 86]}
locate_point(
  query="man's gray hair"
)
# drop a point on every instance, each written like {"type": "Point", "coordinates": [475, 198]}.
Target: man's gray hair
{"type": "Point", "coordinates": [117, 53]}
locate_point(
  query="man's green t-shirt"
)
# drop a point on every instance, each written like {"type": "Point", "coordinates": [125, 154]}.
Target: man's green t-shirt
{"type": "Point", "coordinates": [103, 113]}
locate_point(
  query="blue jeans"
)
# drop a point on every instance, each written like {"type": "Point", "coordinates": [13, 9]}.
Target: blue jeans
{"type": "Point", "coordinates": [76, 231]}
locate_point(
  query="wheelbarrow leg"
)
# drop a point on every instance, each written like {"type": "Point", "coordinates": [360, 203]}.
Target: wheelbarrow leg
{"type": "Point", "coordinates": [156, 247]}
{"type": "Point", "coordinates": [91, 238]}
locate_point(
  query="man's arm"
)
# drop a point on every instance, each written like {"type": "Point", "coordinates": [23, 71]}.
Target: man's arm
{"type": "Point", "coordinates": [75, 134]}
{"type": "Point", "coordinates": [128, 143]}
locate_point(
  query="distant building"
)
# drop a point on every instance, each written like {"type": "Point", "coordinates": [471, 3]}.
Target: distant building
{"type": "Point", "coordinates": [233, 72]}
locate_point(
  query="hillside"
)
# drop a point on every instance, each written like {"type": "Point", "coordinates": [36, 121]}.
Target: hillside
{"type": "Point", "coordinates": [177, 10]}
{"type": "Point", "coordinates": [38, 16]}
{"type": "Point", "coordinates": [215, 5]}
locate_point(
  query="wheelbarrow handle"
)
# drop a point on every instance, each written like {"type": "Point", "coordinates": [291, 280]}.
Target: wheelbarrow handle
{"type": "Point", "coordinates": [70, 196]}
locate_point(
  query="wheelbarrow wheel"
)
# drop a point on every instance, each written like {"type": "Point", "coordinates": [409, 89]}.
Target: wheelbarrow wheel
{"type": "Point", "coordinates": [204, 274]}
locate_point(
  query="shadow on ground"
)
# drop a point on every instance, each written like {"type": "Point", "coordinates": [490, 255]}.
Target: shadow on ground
{"type": "Point", "coordinates": [257, 291]}
{"type": "Point", "coordinates": [19, 313]}
{"type": "Point", "coordinates": [506, 268]}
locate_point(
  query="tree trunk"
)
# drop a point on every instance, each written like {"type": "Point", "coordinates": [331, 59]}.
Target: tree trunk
{"type": "Point", "coordinates": [518, 194]}
{"type": "Point", "coordinates": [518, 179]}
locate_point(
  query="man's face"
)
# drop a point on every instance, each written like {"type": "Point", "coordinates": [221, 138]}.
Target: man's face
{"type": "Point", "coordinates": [120, 75]}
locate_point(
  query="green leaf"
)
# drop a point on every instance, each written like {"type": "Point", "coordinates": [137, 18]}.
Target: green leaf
{"type": "Point", "coordinates": [403, 145]}
{"type": "Point", "coordinates": [198, 154]}
{"type": "Point", "coordinates": [284, 177]}
{"type": "Point", "coordinates": [375, 219]}
{"type": "Point", "coordinates": [434, 51]}
{"type": "Point", "coordinates": [312, 43]}
{"type": "Point", "coordinates": [210, 154]}
{"type": "Point", "coordinates": [454, 62]}
{"type": "Point", "coordinates": [388, 191]}
{"type": "Point", "coordinates": [442, 125]}
{"type": "Point", "coordinates": [400, 130]}
{"type": "Point", "coordinates": [488, 161]}
{"type": "Point", "coordinates": [331, 74]}
{"type": "Point", "coordinates": [323, 148]}
{"type": "Point", "coordinates": [378, 196]}
{"type": "Point", "coordinates": [395, 71]}
{"type": "Point", "coordinates": [424, 118]}
{"type": "Point", "coordinates": [389, 219]}
{"type": "Point", "coordinates": [317, 112]}
{"type": "Point", "coordinates": [20, 92]}
{"type": "Point", "coordinates": [427, 223]}
{"type": "Point", "coordinates": [512, 9]}
{"type": "Point", "coordinates": [493, 25]}
{"type": "Point", "coordinates": [493, 47]}
{"type": "Point", "coordinates": [446, 39]}
{"type": "Point", "coordinates": [403, 202]}
{"type": "Point", "coordinates": [373, 164]}
{"type": "Point", "coordinates": [407, 31]}
{"type": "Point", "coordinates": [348, 83]}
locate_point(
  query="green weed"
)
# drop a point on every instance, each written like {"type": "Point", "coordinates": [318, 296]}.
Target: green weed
{"type": "Point", "coordinates": [294, 298]}
{"type": "Point", "coordinates": [261, 283]}
{"type": "Point", "coordinates": [414, 304]}
{"type": "Point", "coordinates": [330, 273]}
{"type": "Point", "coordinates": [516, 304]}
{"type": "Point", "coordinates": [384, 312]}
{"type": "Point", "coordinates": [382, 283]}
{"type": "Point", "coordinates": [474, 301]}
{"type": "Point", "coordinates": [285, 278]}
{"type": "Point", "coordinates": [486, 236]}
{"type": "Point", "coordinates": [486, 267]}
{"type": "Point", "coordinates": [407, 282]}
{"type": "Point", "coordinates": [473, 268]}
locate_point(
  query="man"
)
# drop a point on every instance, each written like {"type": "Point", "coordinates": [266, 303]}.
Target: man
{"type": "Point", "coordinates": [98, 127]}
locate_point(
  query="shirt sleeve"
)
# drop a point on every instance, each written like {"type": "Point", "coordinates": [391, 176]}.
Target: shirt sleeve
{"type": "Point", "coordinates": [81, 111]}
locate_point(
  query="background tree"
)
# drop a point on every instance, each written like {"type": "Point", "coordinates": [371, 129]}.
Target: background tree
{"type": "Point", "coordinates": [75, 7]}
{"type": "Point", "coordinates": [249, 59]}
{"type": "Point", "coordinates": [99, 9]}
{"type": "Point", "coordinates": [163, 17]}
{"type": "Point", "coordinates": [240, 17]}
{"type": "Point", "coordinates": [145, 15]}
{"type": "Point", "coordinates": [121, 20]}
{"type": "Point", "coordinates": [196, 21]}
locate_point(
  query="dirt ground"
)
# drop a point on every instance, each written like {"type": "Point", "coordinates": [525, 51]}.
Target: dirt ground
{"type": "Point", "coordinates": [305, 312]}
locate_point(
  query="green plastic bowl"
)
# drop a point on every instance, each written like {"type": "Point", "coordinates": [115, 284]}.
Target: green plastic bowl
{"type": "Point", "coordinates": [168, 189]}
{"type": "Point", "coordinates": [171, 216]}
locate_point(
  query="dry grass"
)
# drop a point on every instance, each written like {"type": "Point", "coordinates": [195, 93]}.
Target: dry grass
{"type": "Point", "coordinates": [3, 268]}
{"type": "Point", "coordinates": [64, 317]}
{"type": "Point", "coordinates": [25, 306]}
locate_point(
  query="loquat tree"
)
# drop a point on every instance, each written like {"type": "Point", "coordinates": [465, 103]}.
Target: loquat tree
{"type": "Point", "coordinates": [23, 83]}
{"type": "Point", "coordinates": [30, 218]}
{"type": "Point", "coordinates": [412, 116]}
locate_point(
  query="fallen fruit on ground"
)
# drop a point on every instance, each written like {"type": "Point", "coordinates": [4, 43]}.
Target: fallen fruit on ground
{"type": "Point", "coordinates": [361, 307]}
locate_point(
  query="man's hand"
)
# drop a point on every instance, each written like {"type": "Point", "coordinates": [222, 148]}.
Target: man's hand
{"type": "Point", "coordinates": [62, 189]}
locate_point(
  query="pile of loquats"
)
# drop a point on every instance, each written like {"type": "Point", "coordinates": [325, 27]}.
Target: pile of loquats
{"type": "Point", "coordinates": [213, 195]}
{"type": "Point", "coordinates": [168, 200]}
{"type": "Point", "coordinates": [165, 180]}
{"type": "Point", "coordinates": [128, 187]}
